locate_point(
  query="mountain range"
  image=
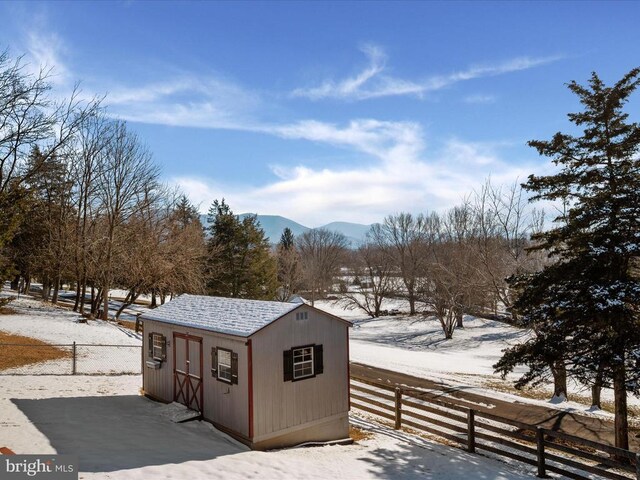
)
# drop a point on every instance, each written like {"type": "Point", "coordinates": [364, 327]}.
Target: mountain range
{"type": "Point", "coordinates": [274, 225]}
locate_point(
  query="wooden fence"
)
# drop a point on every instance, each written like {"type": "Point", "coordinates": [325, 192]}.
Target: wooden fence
{"type": "Point", "coordinates": [548, 450]}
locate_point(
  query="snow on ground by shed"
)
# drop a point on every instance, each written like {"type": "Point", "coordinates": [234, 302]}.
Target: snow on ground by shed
{"type": "Point", "coordinates": [59, 326]}
{"type": "Point", "coordinates": [118, 434]}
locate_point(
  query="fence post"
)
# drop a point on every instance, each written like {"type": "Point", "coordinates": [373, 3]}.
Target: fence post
{"type": "Point", "coordinates": [471, 431]}
{"type": "Point", "coordinates": [398, 425]}
{"type": "Point", "coordinates": [73, 361]}
{"type": "Point", "coordinates": [638, 466]}
{"type": "Point", "coordinates": [542, 469]}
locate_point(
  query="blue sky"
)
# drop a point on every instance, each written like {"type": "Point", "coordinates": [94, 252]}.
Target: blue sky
{"type": "Point", "coordinates": [332, 111]}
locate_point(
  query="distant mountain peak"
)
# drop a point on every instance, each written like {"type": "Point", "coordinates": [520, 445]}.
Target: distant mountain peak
{"type": "Point", "coordinates": [274, 225]}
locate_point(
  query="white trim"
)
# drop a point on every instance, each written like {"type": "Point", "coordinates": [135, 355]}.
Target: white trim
{"type": "Point", "coordinates": [303, 362]}
{"type": "Point", "coordinates": [226, 366]}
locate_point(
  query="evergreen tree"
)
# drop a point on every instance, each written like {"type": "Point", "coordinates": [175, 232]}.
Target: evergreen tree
{"type": "Point", "coordinates": [239, 257]}
{"type": "Point", "coordinates": [289, 268]}
{"type": "Point", "coordinates": [287, 239]}
{"type": "Point", "coordinates": [587, 302]}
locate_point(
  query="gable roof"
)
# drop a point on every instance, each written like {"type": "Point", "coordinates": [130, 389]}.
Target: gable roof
{"type": "Point", "coordinates": [232, 316]}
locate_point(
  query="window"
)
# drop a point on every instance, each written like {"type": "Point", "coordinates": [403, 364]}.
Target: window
{"type": "Point", "coordinates": [157, 346]}
{"type": "Point", "coordinates": [302, 315]}
{"type": "Point", "coordinates": [224, 365]}
{"type": "Point", "coordinates": [302, 362]}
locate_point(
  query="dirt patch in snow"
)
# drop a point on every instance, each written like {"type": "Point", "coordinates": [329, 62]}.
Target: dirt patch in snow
{"type": "Point", "coordinates": [18, 355]}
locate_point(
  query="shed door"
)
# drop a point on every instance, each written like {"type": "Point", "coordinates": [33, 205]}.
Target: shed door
{"type": "Point", "coordinates": [187, 371]}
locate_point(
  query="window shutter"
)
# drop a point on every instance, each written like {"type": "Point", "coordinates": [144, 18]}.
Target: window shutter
{"type": "Point", "coordinates": [234, 368]}
{"type": "Point", "coordinates": [150, 346]}
{"type": "Point", "coordinates": [164, 347]}
{"type": "Point", "coordinates": [214, 362]}
{"type": "Point", "coordinates": [318, 366]}
{"type": "Point", "coordinates": [287, 361]}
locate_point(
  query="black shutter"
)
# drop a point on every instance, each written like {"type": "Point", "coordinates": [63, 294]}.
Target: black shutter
{"type": "Point", "coordinates": [318, 366]}
{"type": "Point", "coordinates": [287, 363]}
{"type": "Point", "coordinates": [234, 368]}
{"type": "Point", "coordinates": [214, 362]}
{"type": "Point", "coordinates": [164, 347]}
{"type": "Point", "coordinates": [150, 346]}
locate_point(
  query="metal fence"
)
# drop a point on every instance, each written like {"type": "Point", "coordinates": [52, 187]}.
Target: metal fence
{"type": "Point", "coordinates": [70, 359]}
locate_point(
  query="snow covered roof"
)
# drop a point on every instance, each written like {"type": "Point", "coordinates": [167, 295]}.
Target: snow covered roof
{"type": "Point", "coordinates": [233, 316]}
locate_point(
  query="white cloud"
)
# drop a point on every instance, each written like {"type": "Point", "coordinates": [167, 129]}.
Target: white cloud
{"type": "Point", "coordinates": [372, 82]}
{"type": "Point", "coordinates": [46, 51]}
{"type": "Point", "coordinates": [187, 101]}
{"type": "Point", "coordinates": [400, 177]}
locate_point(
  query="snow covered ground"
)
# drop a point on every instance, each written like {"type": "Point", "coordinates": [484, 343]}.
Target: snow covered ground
{"type": "Point", "coordinates": [62, 327]}
{"type": "Point", "coordinates": [412, 345]}
{"type": "Point", "coordinates": [416, 346]}
{"type": "Point", "coordinates": [118, 434]}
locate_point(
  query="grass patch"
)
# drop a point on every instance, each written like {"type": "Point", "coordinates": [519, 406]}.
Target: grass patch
{"type": "Point", "coordinates": [358, 434]}
{"type": "Point", "coordinates": [4, 308]}
{"type": "Point", "coordinates": [17, 356]}
{"type": "Point", "coordinates": [128, 325]}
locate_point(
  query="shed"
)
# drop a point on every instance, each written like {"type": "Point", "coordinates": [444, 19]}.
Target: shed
{"type": "Point", "coordinates": [270, 374]}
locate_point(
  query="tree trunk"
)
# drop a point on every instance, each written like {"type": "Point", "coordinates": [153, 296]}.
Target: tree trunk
{"type": "Point", "coordinates": [412, 304]}
{"type": "Point", "coordinates": [559, 372]}
{"type": "Point", "coordinates": [620, 402]}
{"type": "Point", "coordinates": [76, 304]}
{"type": "Point", "coordinates": [94, 305]}
{"type": "Point", "coordinates": [83, 295]}
{"type": "Point", "coordinates": [154, 300]}
{"type": "Point", "coordinates": [129, 300]}
{"type": "Point", "coordinates": [46, 287]}
{"type": "Point", "coordinates": [596, 389]}
{"type": "Point", "coordinates": [56, 289]}
{"type": "Point", "coordinates": [459, 316]}
{"type": "Point", "coordinates": [15, 283]}
{"type": "Point", "coordinates": [105, 303]}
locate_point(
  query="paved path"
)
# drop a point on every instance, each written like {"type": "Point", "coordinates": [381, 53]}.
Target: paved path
{"type": "Point", "coordinates": [592, 428]}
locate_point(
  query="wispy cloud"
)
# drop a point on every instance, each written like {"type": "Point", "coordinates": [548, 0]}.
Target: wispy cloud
{"type": "Point", "coordinates": [479, 98]}
{"type": "Point", "coordinates": [46, 50]}
{"type": "Point", "coordinates": [372, 82]}
{"type": "Point", "coordinates": [403, 175]}
{"type": "Point", "coordinates": [186, 100]}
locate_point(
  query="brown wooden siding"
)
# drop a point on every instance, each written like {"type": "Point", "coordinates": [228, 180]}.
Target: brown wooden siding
{"type": "Point", "coordinates": [280, 405]}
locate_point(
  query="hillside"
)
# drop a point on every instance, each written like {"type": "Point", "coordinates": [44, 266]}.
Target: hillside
{"type": "Point", "coordinates": [274, 225]}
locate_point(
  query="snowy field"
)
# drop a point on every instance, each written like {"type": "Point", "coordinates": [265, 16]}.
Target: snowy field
{"type": "Point", "coordinates": [412, 345]}
{"type": "Point", "coordinates": [416, 346]}
{"type": "Point", "coordinates": [118, 434]}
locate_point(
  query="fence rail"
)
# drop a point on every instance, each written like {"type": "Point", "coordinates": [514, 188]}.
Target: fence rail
{"type": "Point", "coordinates": [69, 359]}
{"type": "Point", "coordinates": [473, 430]}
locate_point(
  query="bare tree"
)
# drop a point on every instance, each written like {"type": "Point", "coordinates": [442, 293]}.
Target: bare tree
{"type": "Point", "coordinates": [87, 164]}
{"type": "Point", "coordinates": [126, 184]}
{"type": "Point", "coordinates": [321, 252]}
{"type": "Point", "coordinates": [30, 119]}
{"type": "Point", "coordinates": [403, 237]}
{"type": "Point", "coordinates": [505, 223]}
{"type": "Point", "coordinates": [376, 280]}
